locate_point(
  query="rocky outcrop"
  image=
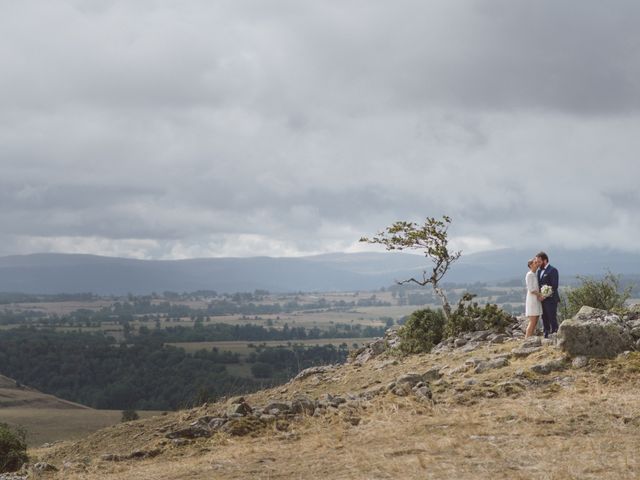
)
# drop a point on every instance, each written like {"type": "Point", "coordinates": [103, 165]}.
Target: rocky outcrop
{"type": "Point", "coordinates": [596, 333]}
{"type": "Point", "coordinates": [390, 341]}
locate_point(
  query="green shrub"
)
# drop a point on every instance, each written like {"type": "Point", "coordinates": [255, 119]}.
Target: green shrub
{"type": "Point", "coordinates": [13, 448]}
{"type": "Point", "coordinates": [129, 415]}
{"type": "Point", "coordinates": [606, 294]}
{"type": "Point", "coordinates": [426, 328]}
{"type": "Point", "coordinates": [422, 330]}
{"type": "Point", "coordinates": [470, 317]}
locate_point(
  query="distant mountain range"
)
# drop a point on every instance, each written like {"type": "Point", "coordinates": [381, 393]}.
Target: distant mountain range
{"type": "Point", "coordinates": [67, 273]}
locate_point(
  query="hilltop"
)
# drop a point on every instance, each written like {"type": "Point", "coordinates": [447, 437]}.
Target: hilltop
{"type": "Point", "coordinates": [485, 406]}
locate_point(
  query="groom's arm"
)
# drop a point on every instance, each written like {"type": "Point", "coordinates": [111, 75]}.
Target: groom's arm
{"type": "Point", "coordinates": [554, 279]}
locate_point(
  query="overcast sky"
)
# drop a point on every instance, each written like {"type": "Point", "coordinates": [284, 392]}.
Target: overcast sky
{"type": "Point", "coordinates": [178, 129]}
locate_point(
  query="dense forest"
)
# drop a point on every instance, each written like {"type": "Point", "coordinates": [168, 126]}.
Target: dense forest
{"type": "Point", "coordinates": [142, 373]}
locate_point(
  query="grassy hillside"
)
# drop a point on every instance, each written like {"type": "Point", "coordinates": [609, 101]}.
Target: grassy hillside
{"type": "Point", "coordinates": [510, 422]}
{"type": "Point", "coordinates": [47, 418]}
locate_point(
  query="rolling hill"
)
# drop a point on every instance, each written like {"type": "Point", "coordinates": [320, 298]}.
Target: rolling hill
{"type": "Point", "coordinates": [66, 273]}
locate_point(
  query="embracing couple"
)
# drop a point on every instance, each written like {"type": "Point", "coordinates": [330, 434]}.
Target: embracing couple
{"type": "Point", "coordinates": [542, 295]}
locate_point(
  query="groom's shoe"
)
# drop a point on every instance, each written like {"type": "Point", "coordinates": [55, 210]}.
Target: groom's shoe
{"type": "Point", "coordinates": [546, 335]}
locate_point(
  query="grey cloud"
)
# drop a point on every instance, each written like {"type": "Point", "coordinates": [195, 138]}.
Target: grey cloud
{"type": "Point", "coordinates": [200, 128]}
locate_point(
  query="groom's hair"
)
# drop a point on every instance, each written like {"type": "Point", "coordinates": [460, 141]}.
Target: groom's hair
{"type": "Point", "coordinates": [543, 256]}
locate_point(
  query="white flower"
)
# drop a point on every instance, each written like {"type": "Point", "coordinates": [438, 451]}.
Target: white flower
{"type": "Point", "coordinates": [546, 291]}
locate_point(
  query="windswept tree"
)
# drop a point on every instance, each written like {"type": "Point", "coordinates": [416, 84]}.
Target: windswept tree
{"type": "Point", "coordinates": [432, 239]}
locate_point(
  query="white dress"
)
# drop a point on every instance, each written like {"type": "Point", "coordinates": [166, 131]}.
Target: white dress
{"type": "Point", "coordinates": [532, 306]}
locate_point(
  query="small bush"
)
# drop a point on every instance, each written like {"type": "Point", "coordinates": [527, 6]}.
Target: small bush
{"type": "Point", "coordinates": [13, 448]}
{"type": "Point", "coordinates": [470, 317]}
{"type": "Point", "coordinates": [422, 330]}
{"type": "Point", "coordinates": [426, 328]}
{"type": "Point", "coordinates": [606, 294]}
{"type": "Point", "coordinates": [129, 416]}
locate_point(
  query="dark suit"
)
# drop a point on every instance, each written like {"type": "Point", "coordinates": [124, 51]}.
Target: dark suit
{"type": "Point", "coordinates": [549, 305]}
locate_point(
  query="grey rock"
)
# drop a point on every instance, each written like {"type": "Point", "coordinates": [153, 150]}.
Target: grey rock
{"type": "Point", "coordinates": [180, 442]}
{"type": "Point", "coordinates": [497, 338]}
{"type": "Point", "coordinates": [595, 333]}
{"type": "Point", "coordinates": [473, 361]}
{"type": "Point", "coordinates": [280, 406]}
{"type": "Point", "coordinates": [240, 409]}
{"type": "Point", "coordinates": [524, 351]}
{"type": "Point", "coordinates": [480, 336]}
{"type": "Point", "coordinates": [41, 467]}
{"type": "Point", "coordinates": [580, 361]}
{"type": "Point", "coordinates": [303, 404]}
{"type": "Point", "coordinates": [491, 364]}
{"type": "Point", "coordinates": [549, 366]}
{"type": "Point", "coordinates": [459, 342]}
{"type": "Point", "coordinates": [470, 347]}
{"type": "Point", "coordinates": [423, 393]}
{"type": "Point", "coordinates": [377, 346]}
{"type": "Point", "coordinates": [402, 390]}
{"type": "Point", "coordinates": [410, 379]}
{"type": "Point", "coordinates": [196, 430]}
{"type": "Point", "coordinates": [434, 373]}
{"type": "Point", "coordinates": [531, 342]}
{"type": "Point", "coordinates": [373, 392]}
{"type": "Point", "coordinates": [215, 423]}
{"type": "Point", "coordinates": [307, 372]}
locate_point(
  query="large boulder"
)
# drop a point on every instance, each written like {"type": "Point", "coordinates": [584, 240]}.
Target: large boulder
{"type": "Point", "coordinates": [595, 333]}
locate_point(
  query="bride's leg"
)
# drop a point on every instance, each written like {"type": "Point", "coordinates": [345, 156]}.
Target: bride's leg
{"type": "Point", "coordinates": [533, 323]}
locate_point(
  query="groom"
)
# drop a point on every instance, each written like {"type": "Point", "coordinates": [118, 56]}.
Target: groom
{"type": "Point", "coordinates": [548, 275]}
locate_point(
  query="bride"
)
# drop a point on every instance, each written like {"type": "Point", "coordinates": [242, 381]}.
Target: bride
{"type": "Point", "coordinates": [533, 306]}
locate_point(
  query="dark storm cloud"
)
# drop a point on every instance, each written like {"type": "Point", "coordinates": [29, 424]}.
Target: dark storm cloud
{"type": "Point", "coordinates": [173, 129]}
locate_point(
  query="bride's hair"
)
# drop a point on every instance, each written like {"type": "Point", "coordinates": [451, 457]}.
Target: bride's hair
{"type": "Point", "coordinates": [529, 263]}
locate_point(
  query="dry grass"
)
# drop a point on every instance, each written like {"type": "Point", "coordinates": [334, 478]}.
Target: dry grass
{"type": "Point", "coordinates": [574, 424]}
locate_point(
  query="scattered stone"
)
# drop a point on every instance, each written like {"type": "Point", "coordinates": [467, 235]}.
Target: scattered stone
{"type": "Point", "coordinates": [434, 373]}
{"type": "Point", "coordinates": [373, 392]}
{"type": "Point", "coordinates": [580, 361]}
{"type": "Point", "coordinates": [423, 393]}
{"type": "Point", "coordinates": [242, 426]}
{"type": "Point", "coordinates": [410, 378]}
{"type": "Point", "coordinates": [277, 407]}
{"type": "Point", "coordinates": [480, 336]}
{"type": "Point", "coordinates": [595, 333]}
{"type": "Point", "coordinates": [199, 430]}
{"type": "Point", "coordinates": [491, 364]}
{"type": "Point", "coordinates": [549, 366]}
{"type": "Point", "coordinates": [180, 442]}
{"type": "Point", "coordinates": [522, 352]}
{"type": "Point", "coordinates": [307, 372]}
{"type": "Point", "coordinates": [497, 337]}
{"type": "Point", "coordinates": [470, 347]}
{"type": "Point", "coordinates": [385, 364]}
{"type": "Point", "coordinates": [459, 342]}
{"type": "Point", "coordinates": [41, 467]}
{"type": "Point", "coordinates": [531, 342]}
{"type": "Point", "coordinates": [303, 405]}
{"type": "Point", "coordinates": [402, 390]}
{"type": "Point", "coordinates": [241, 408]}
{"type": "Point", "coordinates": [473, 361]}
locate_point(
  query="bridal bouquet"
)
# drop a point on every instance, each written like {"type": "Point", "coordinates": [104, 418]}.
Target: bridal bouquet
{"type": "Point", "coordinates": [546, 291]}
